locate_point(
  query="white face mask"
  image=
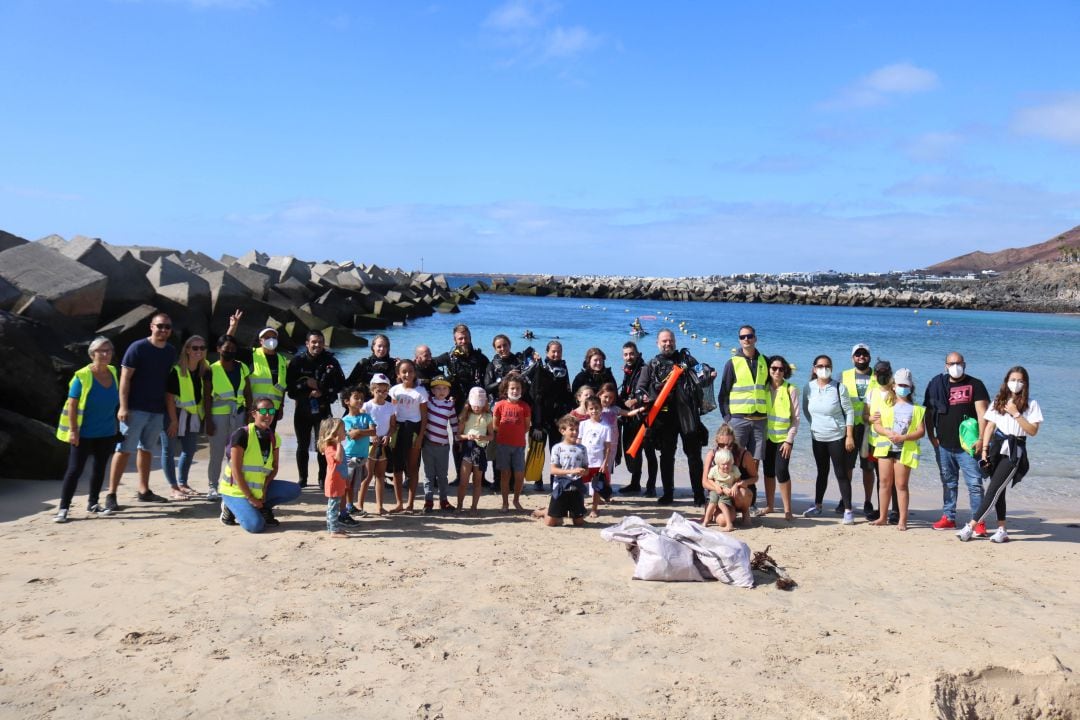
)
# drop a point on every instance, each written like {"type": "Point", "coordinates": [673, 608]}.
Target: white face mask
{"type": "Point", "coordinates": [823, 373]}
{"type": "Point", "coordinates": [956, 371]}
{"type": "Point", "coordinates": [1015, 386]}
{"type": "Point", "coordinates": [513, 394]}
{"type": "Point", "coordinates": [269, 344]}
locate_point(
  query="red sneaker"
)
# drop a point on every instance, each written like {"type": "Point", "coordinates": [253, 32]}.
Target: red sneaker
{"type": "Point", "coordinates": [945, 524]}
{"type": "Point", "coordinates": [980, 529]}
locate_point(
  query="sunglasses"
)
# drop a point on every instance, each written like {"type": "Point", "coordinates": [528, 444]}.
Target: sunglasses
{"type": "Point", "coordinates": [747, 336]}
{"type": "Point", "coordinates": [198, 348]}
{"type": "Point", "coordinates": [266, 411]}
{"type": "Point", "coordinates": [162, 326]}
{"type": "Point", "coordinates": [724, 446]}
{"type": "Point", "coordinates": [861, 353]}
{"type": "Point", "coordinates": [776, 369]}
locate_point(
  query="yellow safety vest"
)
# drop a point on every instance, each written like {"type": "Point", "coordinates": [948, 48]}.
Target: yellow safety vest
{"type": "Point", "coordinates": [226, 400]}
{"type": "Point", "coordinates": [254, 465]}
{"type": "Point", "coordinates": [778, 420]}
{"type": "Point", "coordinates": [909, 451]}
{"type": "Point", "coordinates": [262, 382]}
{"type": "Point", "coordinates": [750, 394]}
{"type": "Point", "coordinates": [857, 405]}
{"type": "Point", "coordinates": [186, 399]}
{"type": "Point", "coordinates": [85, 376]}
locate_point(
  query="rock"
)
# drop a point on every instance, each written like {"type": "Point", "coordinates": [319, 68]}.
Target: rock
{"type": "Point", "coordinates": [7, 240]}
{"type": "Point", "coordinates": [31, 450]}
{"type": "Point", "coordinates": [289, 267]}
{"type": "Point", "coordinates": [338, 338]}
{"type": "Point", "coordinates": [257, 283]}
{"type": "Point", "coordinates": [9, 295]}
{"type": "Point", "coordinates": [173, 282]}
{"type": "Point", "coordinates": [127, 283]}
{"type": "Point", "coordinates": [73, 289]}
{"type": "Point", "coordinates": [38, 308]}
{"type": "Point", "coordinates": [129, 327]}
{"type": "Point", "coordinates": [35, 367]}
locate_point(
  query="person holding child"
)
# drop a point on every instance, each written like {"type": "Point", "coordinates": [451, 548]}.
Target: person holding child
{"type": "Point", "coordinates": [740, 489]}
{"type": "Point", "coordinates": [720, 481]}
{"type": "Point", "coordinates": [331, 444]}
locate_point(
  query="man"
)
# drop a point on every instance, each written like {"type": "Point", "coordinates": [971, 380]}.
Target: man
{"type": "Point", "coordinates": [859, 381]}
{"type": "Point", "coordinates": [144, 372]}
{"type": "Point", "coordinates": [679, 417]}
{"type": "Point", "coordinates": [426, 369]}
{"type": "Point", "coordinates": [313, 379]}
{"type": "Point", "coordinates": [744, 394]}
{"type": "Point", "coordinates": [950, 397]}
{"type": "Point", "coordinates": [632, 367]}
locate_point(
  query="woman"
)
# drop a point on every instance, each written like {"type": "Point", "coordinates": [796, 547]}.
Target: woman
{"type": "Point", "coordinates": [742, 491]}
{"type": "Point", "coordinates": [550, 383]}
{"type": "Point", "coordinates": [827, 409]}
{"type": "Point", "coordinates": [781, 426]}
{"type": "Point", "coordinates": [594, 372]}
{"type": "Point", "coordinates": [504, 362]}
{"type": "Point", "coordinates": [1010, 421]}
{"type": "Point", "coordinates": [230, 394]}
{"type": "Point", "coordinates": [898, 425]}
{"type": "Point", "coordinates": [88, 424]}
{"type": "Point", "coordinates": [251, 491]}
{"type": "Point", "coordinates": [378, 362]}
{"type": "Point", "coordinates": [187, 406]}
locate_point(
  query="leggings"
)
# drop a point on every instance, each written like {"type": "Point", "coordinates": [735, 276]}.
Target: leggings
{"type": "Point", "coordinates": [303, 425]}
{"type": "Point", "coordinates": [833, 451]}
{"type": "Point", "coordinates": [100, 449]}
{"type": "Point", "coordinates": [776, 465]}
{"type": "Point", "coordinates": [646, 453]}
{"type": "Point", "coordinates": [995, 493]}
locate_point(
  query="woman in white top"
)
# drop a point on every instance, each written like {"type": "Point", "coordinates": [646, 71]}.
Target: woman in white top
{"type": "Point", "coordinates": [1010, 421]}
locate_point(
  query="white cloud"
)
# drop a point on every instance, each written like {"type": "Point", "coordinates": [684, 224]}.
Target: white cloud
{"type": "Point", "coordinates": [932, 147]}
{"type": "Point", "coordinates": [519, 15]}
{"type": "Point", "coordinates": [568, 42]}
{"type": "Point", "coordinates": [527, 28]}
{"type": "Point", "coordinates": [1057, 120]}
{"type": "Point", "coordinates": [883, 84]}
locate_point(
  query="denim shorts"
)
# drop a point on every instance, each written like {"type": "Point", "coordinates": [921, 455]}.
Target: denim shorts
{"type": "Point", "coordinates": [510, 457]}
{"type": "Point", "coordinates": [142, 431]}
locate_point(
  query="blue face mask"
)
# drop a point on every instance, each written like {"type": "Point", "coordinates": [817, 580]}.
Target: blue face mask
{"type": "Point", "coordinates": [903, 391]}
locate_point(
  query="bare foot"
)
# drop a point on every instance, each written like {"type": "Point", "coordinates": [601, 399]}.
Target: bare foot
{"type": "Point", "coordinates": [409, 509]}
{"type": "Point", "coordinates": [505, 509]}
{"type": "Point", "coordinates": [474, 512]}
{"type": "Point", "coordinates": [746, 521]}
{"type": "Point", "coordinates": [396, 510]}
{"type": "Point", "coordinates": [767, 511]}
{"type": "Point", "coordinates": [593, 515]}
{"type": "Point", "coordinates": [380, 511]}
{"type": "Point", "coordinates": [539, 514]}
{"type": "Point", "coordinates": [879, 523]}
{"type": "Point", "coordinates": [339, 535]}
{"type": "Point", "coordinates": [901, 528]}
{"type": "Point", "coordinates": [789, 517]}
{"type": "Point", "coordinates": [518, 507]}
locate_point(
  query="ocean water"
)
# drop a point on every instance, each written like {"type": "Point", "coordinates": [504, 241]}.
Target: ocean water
{"type": "Point", "coordinates": [991, 342]}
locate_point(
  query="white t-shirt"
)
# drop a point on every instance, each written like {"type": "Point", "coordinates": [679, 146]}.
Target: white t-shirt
{"type": "Point", "coordinates": [381, 414]}
{"type": "Point", "coordinates": [594, 436]}
{"type": "Point", "coordinates": [407, 402]}
{"type": "Point", "coordinates": [1009, 425]}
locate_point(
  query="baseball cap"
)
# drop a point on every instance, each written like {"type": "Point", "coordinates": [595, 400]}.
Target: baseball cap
{"type": "Point", "coordinates": [903, 377]}
{"type": "Point", "coordinates": [860, 346]}
{"type": "Point", "coordinates": [477, 396]}
{"type": "Point", "coordinates": [379, 379]}
{"type": "Point", "coordinates": [439, 380]}
{"type": "Point", "coordinates": [266, 330]}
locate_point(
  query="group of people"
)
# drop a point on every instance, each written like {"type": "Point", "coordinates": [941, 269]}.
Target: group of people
{"type": "Point", "coordinates": [505, 411]}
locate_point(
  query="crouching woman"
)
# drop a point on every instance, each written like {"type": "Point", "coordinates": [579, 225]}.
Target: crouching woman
{"type": "Point", "coordinates": [250, 491]}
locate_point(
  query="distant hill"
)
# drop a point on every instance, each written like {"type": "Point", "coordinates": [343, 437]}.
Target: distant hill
{"type": "Point", "coordinates": [1010, 258]}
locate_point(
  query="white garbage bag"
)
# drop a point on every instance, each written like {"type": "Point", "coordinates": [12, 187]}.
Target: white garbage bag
{"type": "Point", "coordinates": [725, 558]}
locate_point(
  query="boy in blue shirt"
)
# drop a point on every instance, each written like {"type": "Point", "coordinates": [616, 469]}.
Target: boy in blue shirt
{"type": "Point", "coordinates": [359, 428]}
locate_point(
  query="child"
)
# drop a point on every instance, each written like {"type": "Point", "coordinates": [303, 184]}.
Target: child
{"type": "Point", "coordinates": [442, 426]}
{"type": "Point", "coordinates": [475, 425]}
{"type": "Point", "coordinates": [718, 482]}
{"type": "Point", "coordinates": [610, 415]}
{"type": "Point", "coordinates": [382, 412]}
{"type": "Point", "coordinates": [410, 409]}
{"type": "Point", "coordinates": [583, 393]}
{"type": "Point", "coordinates": [569, 464]}
{"type": "Point", "coordinates": [512, 418]}
{"type": "Point", "coordinates": [359, 428]}
{"type": "Point", "coordinates": [331, 438]}
{"type": "Point", "coordinates": [596, 437]}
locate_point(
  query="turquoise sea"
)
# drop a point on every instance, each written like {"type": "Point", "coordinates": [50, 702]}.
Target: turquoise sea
{"type": "Point", "coordinates": [991, 342]}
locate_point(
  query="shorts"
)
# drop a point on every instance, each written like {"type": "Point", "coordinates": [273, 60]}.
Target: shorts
{"type": "Point", "coordinates": [142, 431]}
{"type": "Point", "coordinates": [749, 435]}
{"type": "Point", "coordinates": [510, 457]}
{"type": "Point", "coordinates": [893, 455]}
{"type": "Point", "coordinates": [864, 462]}
{"type": "Point", "coordinates": [569, 502]}
{"type": "Point", "coordinates": [407, 430]}
{"type": "Point", "coordinates": [474, 455]}
{"type": "Point", "coordinates": [716, 498]}
{"type": "Point", "coordinates": [597, 482]}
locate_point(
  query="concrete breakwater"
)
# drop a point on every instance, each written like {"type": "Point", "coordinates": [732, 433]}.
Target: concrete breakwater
{"type": "Point", "coordinates": [56, 295]}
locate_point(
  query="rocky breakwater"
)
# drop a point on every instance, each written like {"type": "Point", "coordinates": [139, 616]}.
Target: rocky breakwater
{"type": "Point", "coordinates": [720, 290]}
{"type": "Point", "coordinates": [56, 295]}
{"type": "Point", "coordinates": [1039, 287]}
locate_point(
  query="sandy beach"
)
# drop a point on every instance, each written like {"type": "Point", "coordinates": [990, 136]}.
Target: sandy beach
{"type": "Point", "coordinates": [162, 611]}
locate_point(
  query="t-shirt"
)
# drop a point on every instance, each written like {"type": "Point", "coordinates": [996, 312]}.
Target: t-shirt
{"type": "Point", "coordinates": [381, 414]}
{"type": "Point", "coordinates": [357, 448]}
{"type": "Point", "coordinates": [902, 414]}
{"type": "Point", "coordinates": [407, 402]}
{"type": "Point", "coordinates": [240, 438]}
{"type": "Point", "coordinates": [172, 385]}
{"type": "Point", "coordinates": [512, 419]}
{"type": "Point", "coordinates": [151, 365]}
{"type": "Point", "coordinates": [594, 436]}
{"type": "Point", "coordinates": [334, 483]}
{"type": "Point", "coordinates": [962, 397]}
{"type": "Point", "coordinates": [441, 416]}
{"type": "Point", "coordinates": [1009, 425]}
{"type": "Point", "coordinates": [725, 481]}
{"type": "Point", "coordinates": [99, 415]}
{"type": "Point", "coordinates": [566, 456]}
{"type": "Point", "coordinates": [477, 426]}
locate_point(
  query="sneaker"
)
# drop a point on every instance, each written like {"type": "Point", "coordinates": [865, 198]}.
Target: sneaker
{"type": "Point", "coordinates": [980, 529]}
{"type": "Point", "coordinates": [538, 486]}
{"type": "Point", "coordinates": [269, 519]}
{"type": "Point", "coordinates": [150, 497]}
{"type": "Point", "coordinates": [1000, 536]}
{"type": "Point", "coordinates": [839, 507]}
{"type": "Point", "coordinates": [227, 517]}
{"type": "Point", "coordinates": [95, 509]}
{"type": "Point", "coordinates": [110, 505]}
{"type": "Point", "coordinates": [429, 506]}
{"type": "Point", "coordinates": [213, 495]}
{"type": "Point", "coordinates": [944, 523]}
{"type": "Point", "coordinates": [446, 506]}
{"type": "Point", "coordinates": [359, 512]}
{"type": "Point", "coordinates": [665, 500]}
{"type": "Point", "coordinates": [302, 482]}
{"type": "Point", "coordinates": [631, 489]}
{"type": "Point", "coordinates": [868, 510]}
{"type": "Point", "coordinates": [965, 533]}
{"type": "Point", "coordinates": [812, 511]}
{"type": "Point", "coordinates": [849, 517]}
{"type": "Point", "coordinates": [894, 517]}
{"type": "Point", "coordinates": [61, 516]}
{"type": "Point", "coordinates": [649, 492]}
{"type": "Point", "coordinates": [344, 519]}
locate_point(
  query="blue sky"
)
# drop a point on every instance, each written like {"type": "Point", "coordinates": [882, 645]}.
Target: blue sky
{"type": "Point", "coordinates": [636, 138]}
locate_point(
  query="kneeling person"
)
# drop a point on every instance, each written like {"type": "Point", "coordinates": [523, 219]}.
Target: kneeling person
{"type": "Point", "coordinates": [569, 464]}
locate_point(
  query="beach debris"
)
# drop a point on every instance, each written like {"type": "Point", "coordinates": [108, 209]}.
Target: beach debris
{"type": "Point", "coordinates": [763, 562]}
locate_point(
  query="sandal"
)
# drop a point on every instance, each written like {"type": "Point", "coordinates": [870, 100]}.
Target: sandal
{"type": "Point", "coordinates": [187, 490]}
{"type": "Point", "coordinates": [179, 495]}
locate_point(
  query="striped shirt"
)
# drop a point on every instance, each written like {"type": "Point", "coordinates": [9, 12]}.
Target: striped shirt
{"type": "Point", "coordinates": [440, 414]}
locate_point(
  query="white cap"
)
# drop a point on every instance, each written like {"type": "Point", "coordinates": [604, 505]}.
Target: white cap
{"type": "Point", "coordinates": [903, 377]}
{"type": "Point", "coordinates": [379, 379]}
{"type": "Point", "coordinates": [267, 330]}
{"type": "Point", "coordinates": [860, 346]}
{"type": "Point", "coordinates": [478, 397]}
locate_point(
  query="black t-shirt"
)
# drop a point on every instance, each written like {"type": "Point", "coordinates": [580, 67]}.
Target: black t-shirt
{"type": "Point", "coordinates": [240, 439]}
{"type": "Point", "coordinates": [172, 385]}
{"type": "Point", "coordinates": [962, 396]}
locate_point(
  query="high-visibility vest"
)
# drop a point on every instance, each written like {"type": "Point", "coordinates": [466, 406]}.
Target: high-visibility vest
{"type": "Point", "coordinates": [857, 404]}
{"type": "Point", "coordinates": [254, 466]}
{"type": "Point", "coordinates": [875, 400]}
{"type": "Point", "coordinates": [225, 399]}
{"type": "Point", "coordinates": [262, 380]}
{"type": "Point", "coordinates": [778, 419]}
{"type": "Point", "coordinates": [186, 399]}
{"type": "Point", "coordinates": [85, 376]}
{"type": "Point", "coordinates": [909, 451]}
{"type": "Point", "coordinates": [750, 394]}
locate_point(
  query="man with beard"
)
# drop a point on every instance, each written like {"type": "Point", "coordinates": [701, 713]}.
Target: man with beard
{"type": "Point", "coordinates": [426, 369]}
{"type": "Point", "coordinates": [860, 383]}
{"type": "Point", "coordinates": [313, 379]}
{"type": "Point", "coordinates": [632, 367]}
